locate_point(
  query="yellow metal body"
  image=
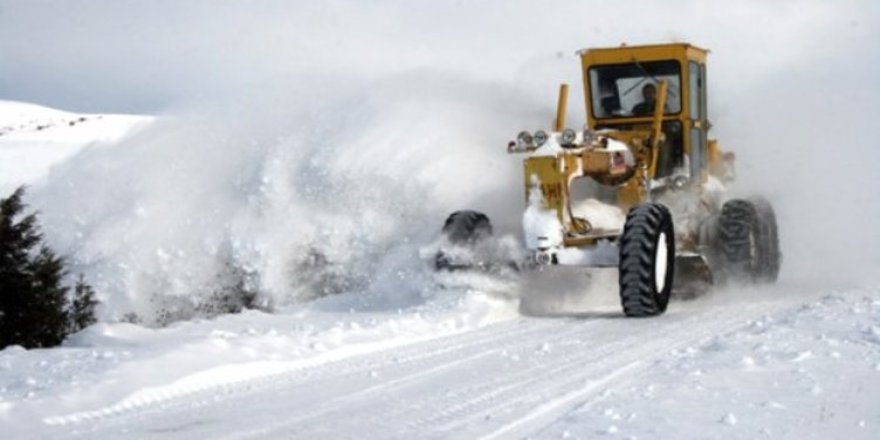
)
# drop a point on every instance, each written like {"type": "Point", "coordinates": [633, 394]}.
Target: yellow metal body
{"type": "Point", "coordinates": [642, 135]}
{"type": "Point", "coordinates": [561, 106]}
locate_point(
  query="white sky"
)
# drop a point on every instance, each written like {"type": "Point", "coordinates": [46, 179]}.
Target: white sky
{"type": "Point", "coordinates": [142, 56]}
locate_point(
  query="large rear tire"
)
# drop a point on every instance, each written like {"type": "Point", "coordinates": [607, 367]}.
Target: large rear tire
{"type": "Point", "coordinates": [748, 241]}
{"type": "Point", "coordinates": [771, 258]}
{"type": "Point", "coordinates": [647, 260]}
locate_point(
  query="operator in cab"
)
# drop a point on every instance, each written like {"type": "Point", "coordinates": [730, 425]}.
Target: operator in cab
{"type": "Point", "coordinates": [646, 107]}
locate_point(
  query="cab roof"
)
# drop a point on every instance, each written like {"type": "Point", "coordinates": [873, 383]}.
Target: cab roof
{"type": "Point", "coordinates": [626, 53]}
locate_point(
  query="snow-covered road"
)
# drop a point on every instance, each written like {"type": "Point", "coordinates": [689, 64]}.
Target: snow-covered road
{"type": "Point", "coordinates": [763, 366]}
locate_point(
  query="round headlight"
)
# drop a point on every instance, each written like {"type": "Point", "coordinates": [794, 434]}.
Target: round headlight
{"type": "Point", "coordinates": [540, 137]}
{"type": "Point", "coordinates": [568, 136]}
{"type": "Point", "coordinates": [589, 136]}
{"type": "Point", "coordinates": [679, 182]}
{"type": "Point", "coordinates": [524, 139]}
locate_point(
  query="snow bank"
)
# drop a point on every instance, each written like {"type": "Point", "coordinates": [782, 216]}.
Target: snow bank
{"type": "Point", "coordinates": [113, 368]}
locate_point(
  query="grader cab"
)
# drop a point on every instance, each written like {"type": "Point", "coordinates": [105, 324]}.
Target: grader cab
{"type": "Point", "coordinates": [638, 186]}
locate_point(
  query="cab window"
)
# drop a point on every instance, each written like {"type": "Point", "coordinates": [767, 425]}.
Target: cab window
{"type": "Point", "coordinates": [629, 90]}
{"type": "Point", "coordinates": [696, 90]}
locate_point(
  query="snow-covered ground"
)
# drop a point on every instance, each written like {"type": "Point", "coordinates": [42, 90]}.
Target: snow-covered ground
{"type": "Point", "coordinates": [768, 363]}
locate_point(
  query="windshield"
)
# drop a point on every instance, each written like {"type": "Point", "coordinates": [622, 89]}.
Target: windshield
{"type": "Point", "coordinates": [629, 90]}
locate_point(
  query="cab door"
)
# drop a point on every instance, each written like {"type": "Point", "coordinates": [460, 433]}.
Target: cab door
{"type": "Point", "coordinates": [698, 121]}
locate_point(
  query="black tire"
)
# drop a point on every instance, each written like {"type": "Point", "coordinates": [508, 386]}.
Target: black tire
{"type": "Point", "coordinates": [748, 241]}
{"type": "Point", "coordinates": [462, 228]}
{"type": "Point", "coordinates": [467, 227]}
{"type": "Point", "coordinates": [771, 258]}
{"type": "Point", "coordinates": [648, 229]}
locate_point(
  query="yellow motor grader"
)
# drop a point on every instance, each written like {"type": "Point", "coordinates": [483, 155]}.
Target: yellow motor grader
{"type": "Point", "coordinates": [640, 186]}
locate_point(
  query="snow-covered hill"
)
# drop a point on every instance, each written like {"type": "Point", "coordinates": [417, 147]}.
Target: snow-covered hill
{"type": "Point", "coordinates": [33, 137]}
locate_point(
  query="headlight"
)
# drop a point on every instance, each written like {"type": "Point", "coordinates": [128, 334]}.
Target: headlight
{"type": "Point", "coordinates": [679, 182]}
{"type": "Point", "coordinates": [524, 140]}
{"type": "Point", "coordinates": [589, 136]}
{"type": "Point", "coordinates": [568, 136]}
{"type": "Point", "coordinates": [540, 137]}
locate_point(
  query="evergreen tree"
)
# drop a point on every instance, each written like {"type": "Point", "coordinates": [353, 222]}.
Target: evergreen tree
{"type": "Point", "coordinates": [33, 301]}
{"type": "Point", "coordinates": [82, 309]}
{"type": "Point", "coordinates": [45, 317]}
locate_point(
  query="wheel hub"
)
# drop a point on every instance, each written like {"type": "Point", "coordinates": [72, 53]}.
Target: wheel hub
{"type": "Point", "coordinates": [660, 263]}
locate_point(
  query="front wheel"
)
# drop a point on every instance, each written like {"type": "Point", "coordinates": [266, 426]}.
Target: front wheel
{"type": "Point", "coordinates": [647, 259]}
{"type": "Point", "coordinates": [463, 230]}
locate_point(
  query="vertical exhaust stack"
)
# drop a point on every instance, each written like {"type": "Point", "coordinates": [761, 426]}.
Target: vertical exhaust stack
{"type": "Point", "coordinates": [561, 106]}
{"type": "Point", "coordinates": [657, 126]}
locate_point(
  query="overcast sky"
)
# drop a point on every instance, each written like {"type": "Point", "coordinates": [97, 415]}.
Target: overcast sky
{"type": "Point", "coordinates": [143, 56]}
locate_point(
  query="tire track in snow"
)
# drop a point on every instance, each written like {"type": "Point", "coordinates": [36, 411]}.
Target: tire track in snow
{"type": "Point", "coordinates": [583, 389]}
{"type": "Point", "coordinates": [499, 388]}
{"type": "Point", "coordinates": [333, 405]}
{"type": "Point", "coordinates": [543, 384]}
{"type": "Point", "coordinates": [517, 391]}
{"type": "Point", "coordinates": [362, 360]}
{"type": "Point", "coordinates": [550, 408]}
{"type": "Point", "coordinates": [561, 396]}
{"type": "Point", "coordinates": [484, 396]}
{"type": "Point", "coordinates": [452, 386]}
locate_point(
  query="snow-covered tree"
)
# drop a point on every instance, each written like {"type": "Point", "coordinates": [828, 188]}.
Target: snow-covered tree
{"type": "Point", "coordinates": [82, 308]}
{"type": "Point", "coordinates": [34, 306]}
